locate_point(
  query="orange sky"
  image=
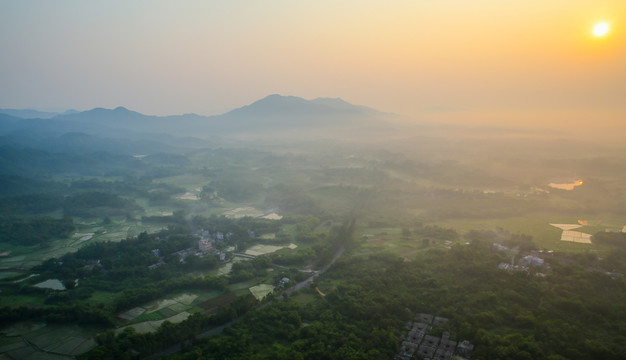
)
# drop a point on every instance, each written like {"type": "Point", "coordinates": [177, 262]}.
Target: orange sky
{"type": "Point", "coordinates": [482, 60]}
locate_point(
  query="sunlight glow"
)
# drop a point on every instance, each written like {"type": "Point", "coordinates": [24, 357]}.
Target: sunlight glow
{"type": "Point", "coordinates": [601, 29]}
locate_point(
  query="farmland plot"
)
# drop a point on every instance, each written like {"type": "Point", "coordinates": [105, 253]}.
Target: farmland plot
{"type": "Point", "coordinates": [29, 340]}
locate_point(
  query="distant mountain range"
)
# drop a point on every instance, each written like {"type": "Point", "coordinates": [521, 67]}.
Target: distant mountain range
{"type": "Point", "coordinates": [268, 115]}
{"type": "Point", "coordinates": [289, 106]}
{"type": "Point", "coordinates": [33, 114]}
{"type": "Point", "coordinates": [125, 132]}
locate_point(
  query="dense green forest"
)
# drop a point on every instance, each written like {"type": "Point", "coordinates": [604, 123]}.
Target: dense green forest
{"type": "Point", "coordinates": [569, 314]}
{"type": "Point", "coordinates": [34, 231]}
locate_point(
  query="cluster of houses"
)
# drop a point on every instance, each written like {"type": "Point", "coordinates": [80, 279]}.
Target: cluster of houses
{"type": "Point", "coordinates": [418, 344]}
{"type": "Point", "coordinates": [206, 246]}
{"type": "Point", "coordinates": [534, 259]}
{"type": "Point", "coordinates": [157, 253]}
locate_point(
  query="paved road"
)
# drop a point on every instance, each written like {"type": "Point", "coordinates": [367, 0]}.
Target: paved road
{"type": "Point", "coordinates": [307, 282]}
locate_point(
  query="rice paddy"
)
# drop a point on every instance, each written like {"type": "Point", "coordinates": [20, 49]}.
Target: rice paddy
{"type": "Point", "coordinates": [261, 291]}
{"type": "Point", "coordinates": [149, 317]}
{"type": "Point", "coordinates": [272, 216]}
{"type": "Point", "coordinates": [242, 212]}
{"type": "Point", "coordinates": [87, 232]}
{"type": "Point", "coordinates": [36, 340]}
{"type": "Point", "coordinates": [188, 196]}
{"type": "Point", "coordinates": [226, 268]}
{"type": "Point", "coordinates": [261, 249]}
{"type": "Point", "coordinates": [9, 274]}
{"type": "Point", "coordinates": [152, 326]}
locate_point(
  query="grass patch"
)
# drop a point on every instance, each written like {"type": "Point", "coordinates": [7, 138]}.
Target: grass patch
{"type": "Point", "coordinates": [186, 298]}
{"type": "Point", "coordinates": [303, 298]}
{"type": "Point", "coordinates": [12, 276]}
{"type": "Point", "coordinates": [537, 225]}
{"type": "Point", "coordinates": [16, 346]}
{"type": "Point", "coordinates": [85, 346]}
{"type": "Point", "coordinates": [242, 292]}
{"type": "Point", "coordinates": [168, 312]}
{"type": "Point", "coordinates": [220, 301]}
{"type": "Point", "coordinates": [67, 345]}
{"type": "Point", "coordinates": [6, 341]}
{"type": "Point", "coordinates": [104, 297]}
{"type": "Point", "coordinates": [388, 240]}
{"type": "Point", "coordinates": [208, 296]}
{"type": "Point", "coordinates": [21, 352]}
{"type": "Point", "coordinates": [178, 308]}
{"type": "Point", "coordinates": [149, 317]}
{"type": "Point", "coordinates": [242, 285]}
{"type": "Point", "coordinates": [17, 300]}
{"type": "Point", "coordinates": [329, 286]}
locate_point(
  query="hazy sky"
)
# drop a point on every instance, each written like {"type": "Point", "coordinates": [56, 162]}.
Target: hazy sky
{"type": "Point", "coordinates": [480, 59]}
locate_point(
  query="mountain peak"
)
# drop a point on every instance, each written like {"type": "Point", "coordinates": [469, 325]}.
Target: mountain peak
{"type": "Point", "coordinates": [277, 98]}
{"type": "Point", "coordinates": [284, 105]}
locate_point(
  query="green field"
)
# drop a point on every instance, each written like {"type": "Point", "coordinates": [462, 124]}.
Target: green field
{"type": "Point", "coordinates": [174, 308]}
{"type": "Point", "coordinates": [303, 297]}
{"type": "Point", "coordinates": [545, 236]}
{"type": "Point", "coordinates": [538, 226]}
{"type": "Point", "coordinates": [261, 291]}
{"type": "Point", "coordinates": [34, 340]}
{"type": "Point", "coordinates": [25, 257]}
{"type": "Point", "coordinates": [104, 297]}
{"type": "Point", "coordinates": [242, 285]}
{"type": "Point", "coordinates": [152, 326]}
{"type": "Point", "coordinates": [12, 299]}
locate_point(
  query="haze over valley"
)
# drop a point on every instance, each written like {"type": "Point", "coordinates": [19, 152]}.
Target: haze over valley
{"type": "Point", "coordinates": [407, 180]}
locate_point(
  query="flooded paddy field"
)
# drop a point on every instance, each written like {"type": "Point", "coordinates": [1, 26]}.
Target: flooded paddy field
{"type": "Point", "coordinates": [175, 309]}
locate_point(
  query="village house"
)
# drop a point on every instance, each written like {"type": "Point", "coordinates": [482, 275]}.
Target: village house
{"type": "Point", "coordinates": [529, 260]}
{"type": "Point", "coordinates": [91, 264]}
{"type": "Point", "coordinates": [465, 349]}
{"type": "Point", "coordinates": [419, 344]}
{"type": "Point", "coordinates": [428, 347]}
{"type": "Point", "coordinates": [446, 348]}
{"type": "Point", "coordinates": [440, 321]}
{"type": "Point", "coordinates": [205, 245]}
{"type": "Point", "coordinates": [156, 265]}
{"type": "Point", "coordinates": [406, 351]}
{"type": "Point", "coordinates": [425, 318]}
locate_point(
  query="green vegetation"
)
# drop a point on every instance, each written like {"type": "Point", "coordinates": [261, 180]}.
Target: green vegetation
{"type": "Point", "coordinates": [368, 299]}
{"type": "Point", "coordinates": [35, 230]}
{"type": "Point", "coordinates": [413, 233]}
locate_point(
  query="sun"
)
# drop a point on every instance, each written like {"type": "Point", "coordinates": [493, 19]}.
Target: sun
{"type": "Point", "coordinates": [601, 29]}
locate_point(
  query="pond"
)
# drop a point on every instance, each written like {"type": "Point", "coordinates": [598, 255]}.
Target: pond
{"type": "Point", "coordinates": [54, 284]}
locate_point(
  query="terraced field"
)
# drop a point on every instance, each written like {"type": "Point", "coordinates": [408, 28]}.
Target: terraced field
{"type": "Point", "coordinates": [149, 317]}
{"type": "Point", "coordinates": [35, 340]}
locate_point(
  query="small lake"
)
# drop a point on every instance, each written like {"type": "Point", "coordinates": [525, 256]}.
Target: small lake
{"type": "Point", "coordinates": [54, 284]}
